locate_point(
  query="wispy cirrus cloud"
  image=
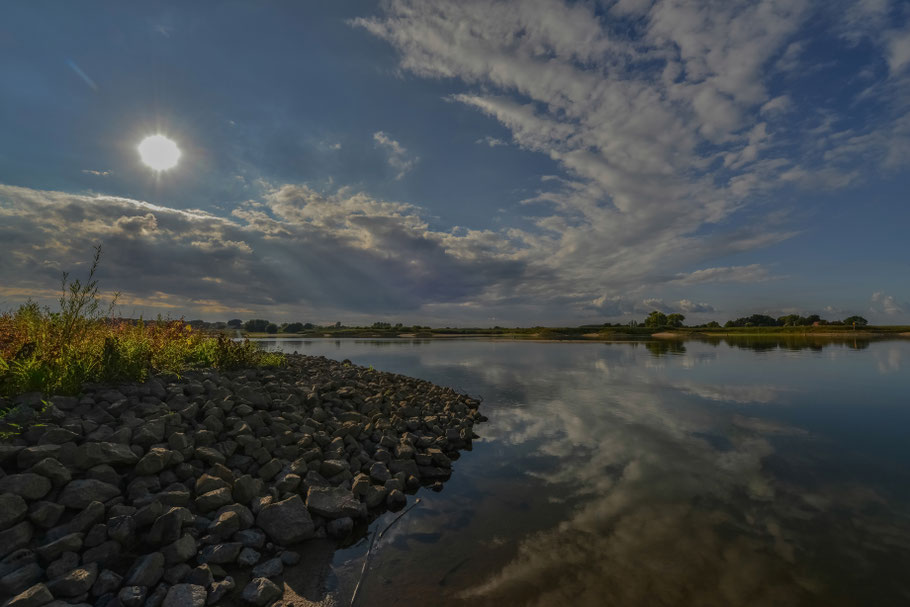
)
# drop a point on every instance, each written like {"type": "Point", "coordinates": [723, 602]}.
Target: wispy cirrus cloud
{"type": "Point", "coordinates": [398, 156]}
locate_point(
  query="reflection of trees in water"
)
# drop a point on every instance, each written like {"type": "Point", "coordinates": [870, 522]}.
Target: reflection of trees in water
{"type": "Point", "coordinates": [767, 343]}
{"type": "Point", "coordinates": [664, 347]}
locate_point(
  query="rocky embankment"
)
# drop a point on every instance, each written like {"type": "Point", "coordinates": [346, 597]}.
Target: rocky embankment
{"type": "Point", "coordinates": [193, 491]}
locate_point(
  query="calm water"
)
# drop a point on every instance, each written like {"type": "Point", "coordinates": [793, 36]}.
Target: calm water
{"type": "Point", "coordinates": [652, 474]}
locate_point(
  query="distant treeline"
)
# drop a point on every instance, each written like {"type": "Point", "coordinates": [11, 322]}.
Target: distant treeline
{"type": "Point", "coordinates": [655, 321]}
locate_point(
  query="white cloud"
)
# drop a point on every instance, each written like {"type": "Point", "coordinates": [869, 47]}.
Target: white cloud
{"type": "Point", "coordinates": [885, 304]}
{"type": "Point", "coordinates": [398, 155]}
{"type": "Point", "coordinates": [898, 50]}
{"type": "Point", "coordinates": [750, 273]}
{"type": "Point", "coordinates": [491, 141]}
{"type": "Point", "coordinates": [665, 127]}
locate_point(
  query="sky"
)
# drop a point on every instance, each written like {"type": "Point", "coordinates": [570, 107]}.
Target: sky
{"type": "Point", "coordinates": [461, 163]}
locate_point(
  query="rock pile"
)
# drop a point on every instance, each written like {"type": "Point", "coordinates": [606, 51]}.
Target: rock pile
{"type": "Point", "coordinates": [151, 494]}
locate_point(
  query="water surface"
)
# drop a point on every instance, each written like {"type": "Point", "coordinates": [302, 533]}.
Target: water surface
{"type": "Point", "coordinates": [652, 473]}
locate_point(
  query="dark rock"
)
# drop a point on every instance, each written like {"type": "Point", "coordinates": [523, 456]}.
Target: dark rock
{"type": "Point", "coordinates": [200, 576]}
{"type": "Point", "coordinates": [250, 538]}
{"type": "Point", "coordinates": [219, 590]}
{"type": "Point", "coordinates": [91, 454]}
{"type": "Point", "coordinates": [67, 562]}
{"type": "Point", "coordinates": [16, 560]}
{"type": "Point", "coordinates": [221, 554]}
{"type": "Point", "coordinates": [68, 543]}
{"type": "Point", "coordinates": [146, 570]}
{"type": "Point", "coordinates": [290, 558]}
{"type": "Point", "coordinates": [207, 482]}
{"type": "Point", "coordinates": [261, 591]}
{"type": "Point", "coordinates": [248, 557]}
{"type": "Point", "coordinates": [157, 596]}
{"type": "Point", "coordinates": [12, 509]}
{"type": "Point", "coordinates": [340, 527]}
{"type": "Point", "coordinates": [246, 488]}
{"type": "Point", "coordinates": [379, 473]}
{"type": "Point", "coordinates": [30, 456]}
{"type": "Point", "coordinates": [153, 462]}
{"type": "Point", "coordinates": [331, 467]}
{"type": "Point", "coordinates": [177, 573]}
{"type": "Point", "coordinates": [96, 535]}
{"type": "Point", "coordinates": [104, 472]}
{"type": "Point", "coordinates": [27, 485]}
{"type": "Point", "coordinates": [105, 554]}
{"type": "Point", "coordinates": [132, 596]}
{"type": "Point", "coordinates": [36, 596]}
{"type": "Point", "coordinates": [79, 494]}
{"type": "Point", "coordinates": [225, 525]}
{"type": "Point", "coordinates": [333, 502]}
{"type": "Point", "coordinates": [214, 500]}
{"type": "Point", "coordinates": [209, 455]}
{"type": "Point", "coordinates": [185, 595]}
{"type": "Point", "coordinates": [270, 469]}
{"type": "Point", "coordinates": [45, 514]}
{"type": "Point", "coordinates": [271, 568]}
{"type": "Point", "coordinates": [16, 537]}
{"type": "Point", "coordinates": [396, 500]}
{"type": "Point", "coordinates": [75, 582]}
{"type": "Point", "coordinates": [168, 527]}
{"type": "Point", "coordinates": [107, 581]}
{"type": "Point", "coordinates": [16, 581]}
{"type": "Point", "coordinates": [122, 529]}
{"type": "Point", "coordinates": [181, 550]}
{"type": "Point", "coordinates": [287, 521]}
{"type": "Point", "coordinates": [93, 513]}
{"type": "Point", "coordinates": [58, 474]}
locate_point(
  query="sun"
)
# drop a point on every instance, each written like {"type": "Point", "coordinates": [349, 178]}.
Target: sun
{"type": "Point", "coordinates": [159, 152]}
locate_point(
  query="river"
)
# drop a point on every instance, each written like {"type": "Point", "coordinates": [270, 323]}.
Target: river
{"type": "Point", "coordinates": [751, 472]}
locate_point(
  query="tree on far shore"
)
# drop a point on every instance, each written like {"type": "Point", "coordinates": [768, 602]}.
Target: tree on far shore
{"type": "Point", "coordinates": [256, 325]}
{"type": "Point", "coordinates": [675, 320]}
{"type": "Point", "coordinates": [271, 328]}
{"type": "Point", "coordinates": [859, 321]}
{"type": "Point", "coordinates": [235, 323]}
{"type": "Point", "coordinates": [656, 319]}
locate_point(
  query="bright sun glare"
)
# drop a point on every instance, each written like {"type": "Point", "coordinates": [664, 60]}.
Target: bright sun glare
{"type": "Point", "coordinates": [159, 152]}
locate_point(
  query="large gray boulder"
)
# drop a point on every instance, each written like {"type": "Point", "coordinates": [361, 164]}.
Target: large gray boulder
{"type": "Point", "coordinates": [333, 502]}
{"type": "Point", "coordinates": [80, 493]}
{"type": "Point", "coordinates": [27, 485]}
{"type": "Point", "coordinates": [286, 522]}
{"type": "Point", "coordinates": [91, 454]}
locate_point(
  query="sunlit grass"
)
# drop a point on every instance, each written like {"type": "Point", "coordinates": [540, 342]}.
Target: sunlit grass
{"type": "Point", "coordinates": [56, 352]}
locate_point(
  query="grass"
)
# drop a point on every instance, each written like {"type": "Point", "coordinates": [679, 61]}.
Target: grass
{"type": "Point", "coordinates": [56, 352]}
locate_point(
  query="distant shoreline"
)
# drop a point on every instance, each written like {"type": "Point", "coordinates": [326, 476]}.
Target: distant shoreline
{"type": "Point", "coordinates": [556, 335]}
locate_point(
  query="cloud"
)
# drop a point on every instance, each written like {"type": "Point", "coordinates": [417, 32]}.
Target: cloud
{"type": "Point", "coordinates": [683, 305]}
{"type": "Point", "coordinates": [398, 155]}
{"type": "Point", "coordinates": [749, 274]}
{"type": "Point", "coordinates": [666, 126]}
{"type": "Point", "coordinates": [619, 305]}
{"type": "Point", "coordinates": [295, 249]}
{"type": "Point", "coordinates": [491, 141]}
{"type": "Point", "coordinates": [885, 304]}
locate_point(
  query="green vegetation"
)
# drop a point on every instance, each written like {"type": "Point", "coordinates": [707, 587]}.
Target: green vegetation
{"type": "Point", "coordinates": [56, 352]}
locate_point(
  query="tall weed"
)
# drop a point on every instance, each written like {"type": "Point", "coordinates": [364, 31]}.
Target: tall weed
{"type": "Point", "coordinates": [57, 351]}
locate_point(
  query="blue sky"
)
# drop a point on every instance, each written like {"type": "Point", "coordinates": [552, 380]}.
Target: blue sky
{"type": "Point", "coordinates": [456, 163]}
